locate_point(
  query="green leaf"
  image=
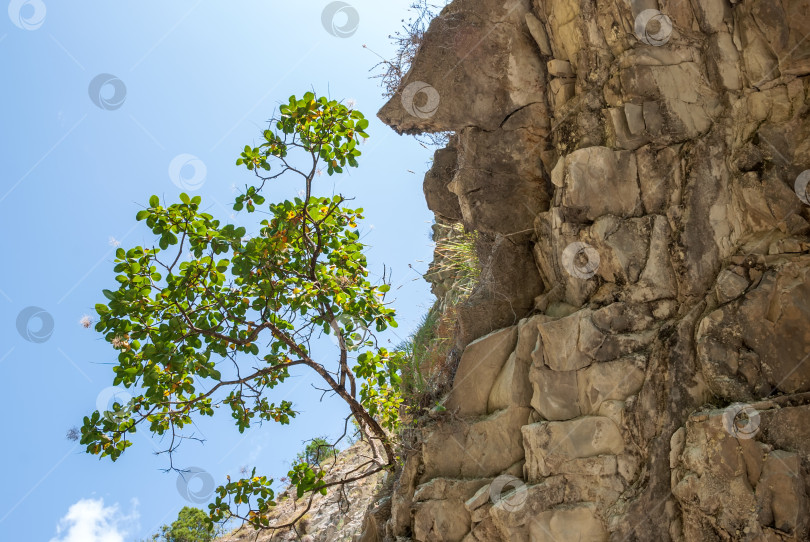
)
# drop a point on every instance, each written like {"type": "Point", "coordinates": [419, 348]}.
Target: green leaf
{"type": "Point", "coordinates": [154, 201]}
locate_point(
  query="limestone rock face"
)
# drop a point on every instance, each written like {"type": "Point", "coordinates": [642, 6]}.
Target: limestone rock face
{"type": "Point", "coordinates": [586, 445]}
{"type": "Point", "coordinates": [358, 513]}
{"type": "Point", "coordinates": [598, 181]}
{"type": "Point", "coordinates": [635, 362]}
{"type": "Point", "coordinates": [482, 362]}
{"type": "Point", "coordinates": [719, 473]}
{"type": "Point", "coordinates": [755, 344]}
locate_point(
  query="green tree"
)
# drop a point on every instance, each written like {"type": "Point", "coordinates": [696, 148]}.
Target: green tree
{"type": "Point", "coordinates": [317, 451]}
{"type": "Point", "coordinates": [192, 525]}
{"type": "Point", "coordinates": [210, 318]}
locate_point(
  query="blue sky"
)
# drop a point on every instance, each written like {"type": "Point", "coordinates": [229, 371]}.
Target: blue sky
{"type": "Point", "coordinates": [185, 78]}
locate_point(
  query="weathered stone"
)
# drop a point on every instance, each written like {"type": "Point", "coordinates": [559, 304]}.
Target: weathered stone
{"type": "Point", "coordinates": [528, 333]}
{"type": "Point", "coordinates": [512, 386]}
{"type": "Point", "coordinates": [589, 488]}
{"type": "Point", "coordinates": [781, 494]}
{"type": "Point", "coordinates": [563, 22]}
{"type": "Point", "coordinates": [657, 280]}
{"type": "Point", "coordinates": [562, 350]}
{"type": "Point", "coordinates": [584, 173]}
{"type": "Point", "coordinates": [711, 471]}
{"type": "Point", "coordinates": [490, 173]}
{"type": "Point", "coordinates": [578, 523]}
{"type": "Point", "coordinates": [622, 133]}
{"type": "Point", "coordinates": [725, 473]}
{"type": "Point", "coordinates": [443, 451]}
{"type": "Point", "coordinates": [658, 174]}
{"type": "Point", "coordinates": [482, 361]}
{"type": "Point", "coordinates": [561, 91]}
{"type": "Point", "coordinates": [438, 196]}
{"type": "Point", "coordinates": [729, 286]}
{"type": "Point", "coordinates": [494, 444]}
{"type": "Point", "coordinates": [724, 59]}
{"type": "Point", "coordinates": [448, 489]}
{"type": "Point", "coordinates": [623, 247]}
{"type": "Point", "coordinates": [440, 511]}
{"type": "Point", "coordinates": [555, 394]}
{"type": "Point", "coordinates": [538, 33]}
{"type": "Point", "coordinates": [712, 15]}
{"type": "Point", "coordinates": [684, 101]}
{"type": "Point", "coordinates": [402, 496]}
{"type": "Point", "coordinates": [560, 68]}
{"type": "Point", "coordinates": [478, 499]}
{"type": "Point", "coordinates": [572, 447]}
{"type": "Point", "coordinates": [787, 428]}
{"type": "Point", "coordinates": [440, 521]}
{"type": "Point", "coordinates": [622, 317]}
{"type": "Point", "coordinates": [771, 39]}
{"type": "Point", "coordinates": [614, 380]}
{"type": "Point", "coordinates": [512, 516]}
{"type": "Point", "coordinates": [759, 342]}
{"type": "Point", "coordinates": [480, 449]}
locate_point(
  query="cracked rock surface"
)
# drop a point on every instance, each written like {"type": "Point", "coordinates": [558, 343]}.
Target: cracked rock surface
{"type": "Point", "coordinates": [636, 359]}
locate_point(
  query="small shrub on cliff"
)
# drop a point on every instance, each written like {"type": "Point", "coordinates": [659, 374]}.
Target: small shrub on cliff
{"type": "Point", "coordinates": [317, 451]}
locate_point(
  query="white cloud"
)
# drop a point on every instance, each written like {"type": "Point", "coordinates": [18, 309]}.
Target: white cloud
{"type": "Point", "coordinates": [88, 520]}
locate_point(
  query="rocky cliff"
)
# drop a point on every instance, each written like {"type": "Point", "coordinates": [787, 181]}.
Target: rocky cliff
{"type": "Point", "coordinates": [335, 517]}
{"type": "Point", "coordinates": [635, 358]}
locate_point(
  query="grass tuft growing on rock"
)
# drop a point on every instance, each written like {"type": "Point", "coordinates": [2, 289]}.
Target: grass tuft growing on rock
{"type": "Point", "coordinates": [454, 274]}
